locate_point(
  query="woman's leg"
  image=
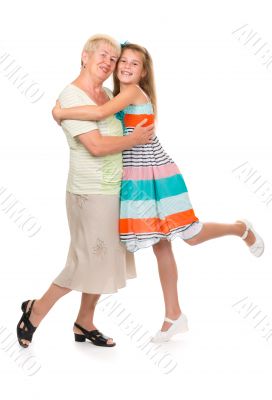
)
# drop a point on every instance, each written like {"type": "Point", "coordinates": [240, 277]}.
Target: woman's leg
{"type": "Point", "coordinates": [86, 313]}
{"type": "Point", "coordinates": [212, 230]}
{"type": "Point", "coordinates": [168, 277]}
{"type": "Point", "coordinates": [43, 305]}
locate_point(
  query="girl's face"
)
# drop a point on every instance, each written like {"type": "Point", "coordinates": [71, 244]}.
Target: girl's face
{"type": "Point", "coordinates": [130, 67]}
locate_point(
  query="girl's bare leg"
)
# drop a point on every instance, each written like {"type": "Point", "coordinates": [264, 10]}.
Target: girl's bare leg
{"type": "Point", "coordinates": [212, 230]}
{"type": "Point", "coordinates": [167, 265]}
{"type": "Point", "coordinates": [168, 277]}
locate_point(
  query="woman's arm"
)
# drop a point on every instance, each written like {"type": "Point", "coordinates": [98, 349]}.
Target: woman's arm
{"type": "Point", "coordinates": [99, 145]}
{"type": "Point", "coordinates": [96, 113]}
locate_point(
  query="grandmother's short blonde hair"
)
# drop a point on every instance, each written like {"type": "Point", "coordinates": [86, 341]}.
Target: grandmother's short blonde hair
{"type": "Point", "coordinates": [94, 41]}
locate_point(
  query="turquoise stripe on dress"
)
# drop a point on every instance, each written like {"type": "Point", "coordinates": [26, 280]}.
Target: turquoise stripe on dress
{"type": "Point", "coordinates": [150, 189]}
{"type": "Point", "coordinates": [145, 108]}
{"type": "Point", "coordinates": [155, 209]}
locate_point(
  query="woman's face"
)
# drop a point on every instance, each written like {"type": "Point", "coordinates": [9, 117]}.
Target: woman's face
{"type": "Point", "coordinates": [102, 62]}
{"type": "Point", "coordinates": [130, 67]}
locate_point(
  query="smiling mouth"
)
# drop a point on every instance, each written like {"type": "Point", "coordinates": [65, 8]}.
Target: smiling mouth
{"type": "Point", "coordinates": [125, 73]}
{"type": "Point", "coordinates": [106, 70]}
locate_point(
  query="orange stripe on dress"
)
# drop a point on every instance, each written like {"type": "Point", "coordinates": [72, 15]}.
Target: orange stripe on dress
{"type": "Point", "coordinates": [149, 225]}
{"type": "Point", "coordinates": [134, 119]}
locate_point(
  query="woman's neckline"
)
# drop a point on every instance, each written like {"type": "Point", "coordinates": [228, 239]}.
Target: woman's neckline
{"type": "Point", "coordinates": [83, 91]}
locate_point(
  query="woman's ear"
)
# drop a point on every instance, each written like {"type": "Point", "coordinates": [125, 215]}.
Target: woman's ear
{"type": "Point", "coordinates": [84, 57]}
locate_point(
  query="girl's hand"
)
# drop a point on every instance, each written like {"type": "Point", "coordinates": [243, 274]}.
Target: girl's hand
{"type": "Point", "coordinates": [56, 112]}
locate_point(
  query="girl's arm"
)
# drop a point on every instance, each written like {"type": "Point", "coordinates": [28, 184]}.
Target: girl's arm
{"type": "Point", "coordinates": [96, 113]}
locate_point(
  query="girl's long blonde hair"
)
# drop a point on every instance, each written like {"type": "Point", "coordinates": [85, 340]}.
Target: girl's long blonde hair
{"type": "Point", "coordinates": [147, 83]}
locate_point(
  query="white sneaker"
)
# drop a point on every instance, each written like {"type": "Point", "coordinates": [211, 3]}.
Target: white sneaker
{"type": "Point", "coordinates": [257, 248]}
{"type": "Point", "coordinates": [179, 325]}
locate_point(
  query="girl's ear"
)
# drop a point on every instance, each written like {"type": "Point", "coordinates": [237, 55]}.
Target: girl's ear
{"type": "Point", "coordinates": [143, 74]}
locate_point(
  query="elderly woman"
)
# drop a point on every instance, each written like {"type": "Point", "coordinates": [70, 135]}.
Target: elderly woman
{"type": "Point", "coordinates": [97, 262]}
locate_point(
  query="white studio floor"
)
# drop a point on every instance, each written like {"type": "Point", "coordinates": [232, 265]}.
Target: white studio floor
{"type": "Point", "coordinates": [214, 87]}
{"type": "Point", "coordinates": [224, 291]}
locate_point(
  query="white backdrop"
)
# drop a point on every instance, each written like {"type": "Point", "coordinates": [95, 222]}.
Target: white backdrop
{"type": "Point", "coordinates": [213, 75]}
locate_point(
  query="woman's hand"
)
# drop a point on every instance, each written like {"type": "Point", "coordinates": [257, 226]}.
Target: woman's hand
{"type": "Point", "coordinates": [56, 112]}
{"type": "Point", "coordinates": [143, 135]}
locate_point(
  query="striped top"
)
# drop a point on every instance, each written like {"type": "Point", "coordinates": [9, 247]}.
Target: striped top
{"type": "Point", "coordinates": [89, 174]}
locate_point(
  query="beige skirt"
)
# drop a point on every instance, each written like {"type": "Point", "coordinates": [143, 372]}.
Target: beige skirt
{"type": "Point", "coordinates": [97, 261]}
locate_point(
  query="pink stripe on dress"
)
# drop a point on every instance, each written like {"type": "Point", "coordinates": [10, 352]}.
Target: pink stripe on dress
{"type": "Point", "coordinates": [145, 173]}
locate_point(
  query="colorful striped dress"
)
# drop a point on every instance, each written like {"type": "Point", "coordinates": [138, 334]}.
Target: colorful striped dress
{"type": "Point", "coordinates": [154, 202]}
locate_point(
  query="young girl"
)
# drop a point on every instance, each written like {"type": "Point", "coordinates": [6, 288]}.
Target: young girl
{"type": "Point", "coordinates": [155, 203]}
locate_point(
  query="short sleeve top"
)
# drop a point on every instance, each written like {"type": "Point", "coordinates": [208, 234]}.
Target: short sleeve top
{"type": "Point", "coordinates": [89, 174]}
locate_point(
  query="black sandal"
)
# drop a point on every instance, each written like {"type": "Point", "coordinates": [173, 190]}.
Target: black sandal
{"type": "Point", "coordinates": [96, 337]}
{"type": "Point", "coordinates": [27, 331]}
